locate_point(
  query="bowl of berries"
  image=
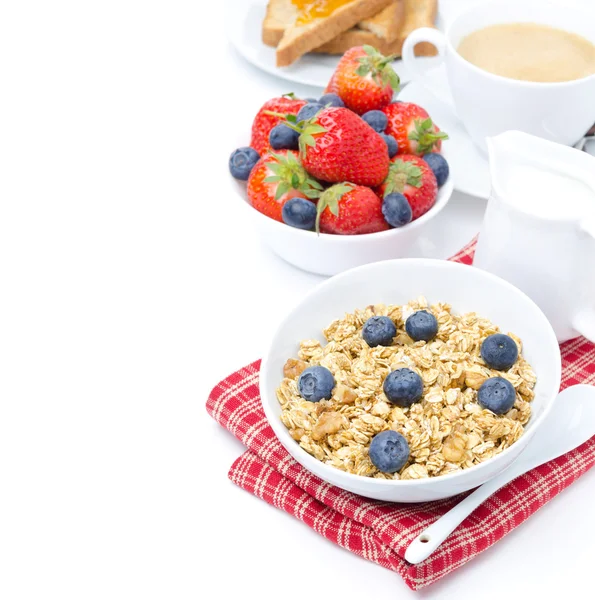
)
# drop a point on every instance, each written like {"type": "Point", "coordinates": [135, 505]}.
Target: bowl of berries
{"type": "Point", "coordinates": [346, 179]}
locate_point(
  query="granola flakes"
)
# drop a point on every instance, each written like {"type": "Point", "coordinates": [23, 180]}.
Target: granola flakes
{"type": "Point", "coordinates": [447, 430]}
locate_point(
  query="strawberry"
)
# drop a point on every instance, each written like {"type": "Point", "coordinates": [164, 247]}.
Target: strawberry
{"type": "Point", "coordinates": [412, 177]}
{"type": "Point", "coordinates": [413, 129]}
{"type": "Point", "coordinates": [364, 79]}
{"type": "Point", "coordinates": [349, 209]}
{"type": "Point", "coordinates": [337, 145]}
{"type": "Point", "coordinates": [276, 178]}
{"type": "Point", "coordinates": [264, 122]}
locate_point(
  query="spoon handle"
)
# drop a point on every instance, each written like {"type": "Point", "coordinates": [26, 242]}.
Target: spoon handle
{"type": "Point", "coordinates": [431, 537]}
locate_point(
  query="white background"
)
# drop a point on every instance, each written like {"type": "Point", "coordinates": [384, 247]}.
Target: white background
{"type": "Point", "coordinates": [129, 287]}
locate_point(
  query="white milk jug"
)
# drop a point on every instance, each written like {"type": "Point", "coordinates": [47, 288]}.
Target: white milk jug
{"type": "Point", "coordinates": [539, 228]}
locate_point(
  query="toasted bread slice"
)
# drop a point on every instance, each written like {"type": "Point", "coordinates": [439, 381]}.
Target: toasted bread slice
{"type": "Point", "coordinates": [387, 23]}
{"type": "Point", "coordinates": [298, 39]}
{"type": "Point", "coordinates": [418, 13]}
{"type": "Point", "coordinates": [280, 15]}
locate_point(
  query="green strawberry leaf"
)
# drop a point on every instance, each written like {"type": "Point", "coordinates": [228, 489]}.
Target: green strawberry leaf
{"type": "Point", "coordinates": [275, 168]}
{"type": "Point", "coordinates": [362, 70]}
{"type": "Point", "coordinates": [400, 174]}
{"type": "Point", "coordinates": [289, 174]}
{"type": "Point", "coordinates": [308, 140]}
{"type": "Point", "coordinates": [289, 95]}
{"type": "Point", "coordinates": [282, 189]}
{"type": "Point", "coordinates": [330, 199]}
{"type": "Point", "coordinates": [315, 184]}
{"type": "Point", "coordinates": [425, 135]}
{"type": "Point", "coordinates": [379, 66]}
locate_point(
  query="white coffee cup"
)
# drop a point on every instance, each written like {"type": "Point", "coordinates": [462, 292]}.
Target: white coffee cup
{"type": "Point", "coordinates": [489, 104]}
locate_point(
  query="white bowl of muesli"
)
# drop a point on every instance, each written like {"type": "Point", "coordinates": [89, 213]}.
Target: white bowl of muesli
{"type": "Point", "coordinates": [410, 380]}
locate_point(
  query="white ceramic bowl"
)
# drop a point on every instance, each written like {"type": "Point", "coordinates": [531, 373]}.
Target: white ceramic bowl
{"type": "Point", "coordinates": [327, 254]}
{"type": "Point", "coordinates": [396, 282]}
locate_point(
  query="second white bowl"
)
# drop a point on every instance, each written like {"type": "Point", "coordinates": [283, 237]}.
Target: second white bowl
{"type": "Point", "coordinates": [466, 289]}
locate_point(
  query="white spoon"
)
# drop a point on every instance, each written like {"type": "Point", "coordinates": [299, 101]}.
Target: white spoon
{"type": "Point", "coordinates": [571, 423]}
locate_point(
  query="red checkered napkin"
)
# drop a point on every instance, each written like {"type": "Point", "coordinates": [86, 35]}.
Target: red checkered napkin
{"type": "Point", "coordinates": [381, 531]}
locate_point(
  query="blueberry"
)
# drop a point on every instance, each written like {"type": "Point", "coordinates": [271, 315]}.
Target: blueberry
{"type": "Point", "coordinates": [316, 383]}
{"type": "Point", "coordinates": [496, 394]}
{"type": "Point", "coordinates": [376, 119]}
{"type": "Point", "coordinates": [331, 99]}
{"type": "Point", "coordinates": [403, 387]}
{"type": "Point", "coordinates": [421, 325]}
{"type": "Point", "coordinates": [311, 100]}
{"type": "Point", "coordinates": [283, 137]}
{"type": "Point", "coordinates": [308, 111]}
{"type": "Point", "coordinates": [299, 213]}
{"type": "Point", "coordinates": [396, 209]}
{"type": "Point", "coordinates": [439, 166]}
{"type": "Point", "coordinates": [499, 351]}
{"type": "Point", "coordinates": [389, 451]}
{"type": "Point", "coordinates": [379, 331]}
{"type": "Point", "coordinates": [391, 144]}
{"type": "Point", "coordinates": [242, 161]}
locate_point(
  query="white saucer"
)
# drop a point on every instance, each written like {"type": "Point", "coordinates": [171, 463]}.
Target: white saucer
{"type": "Point", "coordinates": [468, 166]}
{"type": "Point", "coordinates": [244, 26]}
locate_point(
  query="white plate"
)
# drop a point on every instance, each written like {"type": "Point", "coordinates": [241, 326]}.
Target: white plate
{"type": "Point", "coordinates": [244, 26]}
{"type": "Point", "coordinates": [468, 166]}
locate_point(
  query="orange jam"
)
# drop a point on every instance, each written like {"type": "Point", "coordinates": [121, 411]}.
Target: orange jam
{"type": "Point", "coordinates": [309, 10]}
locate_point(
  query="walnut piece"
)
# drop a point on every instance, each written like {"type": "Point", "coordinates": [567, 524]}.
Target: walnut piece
{"type": "Point", "coordinates": [328, 423]}
{"type": "Point", "coordinates": [293, 368]}
{"type": "Point", "coordinates": [297, 433]}
{"type": "Point", "coordinates": [454, 448]}
{"type": "Point", "coordinates": [344, 395]}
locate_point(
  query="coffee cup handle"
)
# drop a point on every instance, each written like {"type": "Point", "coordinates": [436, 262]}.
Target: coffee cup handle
{"type": "Point", "coordinates": [584, 320]}
{"type": "Point", "coordinates": [440, 88]}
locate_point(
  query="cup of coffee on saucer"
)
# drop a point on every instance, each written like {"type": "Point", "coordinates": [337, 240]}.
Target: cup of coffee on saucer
{"type": "Point", "coordinates": [527, 66]}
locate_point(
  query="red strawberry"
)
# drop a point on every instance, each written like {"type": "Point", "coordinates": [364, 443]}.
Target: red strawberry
{"type": "Point", "coordinates": [413, 129]}
{"type": "Point", "coordinates": [349, 209]}
{"type": "Point", "coordinates": [364, 79]}
{"type": "Point", "coordinates": [337, 145]}
{"type": "Point", "coordinates": [264, 122]}
{"type": "Point", "coordinates": [331, 87]}
{"type": "Point", "coordinates": [412, 177]}
{"type": "Point", "coordinates": [276, 178]}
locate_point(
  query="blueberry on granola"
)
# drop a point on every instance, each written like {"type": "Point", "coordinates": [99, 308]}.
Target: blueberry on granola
{"type": "Point", "coordinates": [379, 331]}
{"type": "Point", "coordinates": [403, 387]}
{"type": "Point", "coordinates": [316, 383]}
{"type": "Point", "coordinates": [421, 325]}
{"type": "Point", "coordinates": [496, 394]}
{"type": "Point", "coordinates": [499, 351]}
{"type": "Point", "coordinates": [389, 451]}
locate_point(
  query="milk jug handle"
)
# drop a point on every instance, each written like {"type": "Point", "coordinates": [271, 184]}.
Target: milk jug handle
{"type": "Point", "coordinates": [584, 319]}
